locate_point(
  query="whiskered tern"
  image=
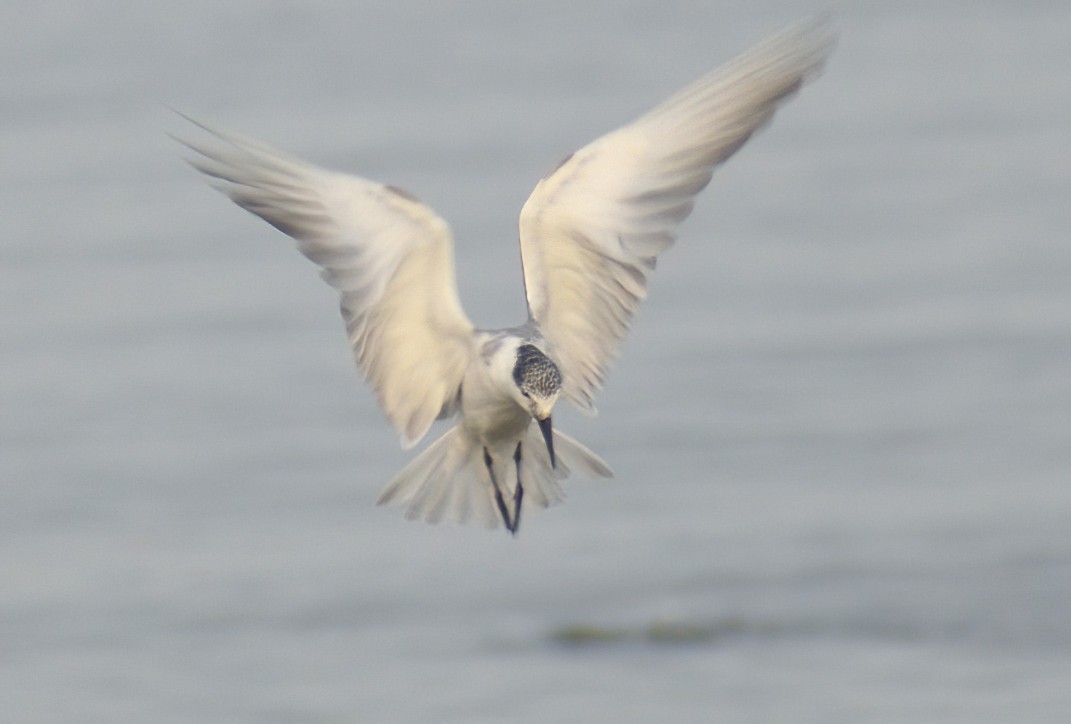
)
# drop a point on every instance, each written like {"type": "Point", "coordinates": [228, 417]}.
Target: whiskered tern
{"type": "Point", "coordinates": [590, 234]}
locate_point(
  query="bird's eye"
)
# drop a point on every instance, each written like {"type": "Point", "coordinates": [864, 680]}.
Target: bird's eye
{"type": "Point", "coordinates": [525, 393]}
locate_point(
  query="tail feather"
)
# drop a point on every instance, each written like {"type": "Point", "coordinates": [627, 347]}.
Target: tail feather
{"type": "Point", "coordinates": [437, 485]}
{"type": "Point", "coordinates": [577, 455]}
{"type": "Point", "coordinates": [432, 501]}
{"type": "Point", "coordinates": [449, 481]}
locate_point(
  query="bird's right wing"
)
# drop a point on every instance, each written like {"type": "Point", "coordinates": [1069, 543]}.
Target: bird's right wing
{"type": "Point", "coordinates": [389, 256]}
{"type": "Point", "coordinates": [591, 230]}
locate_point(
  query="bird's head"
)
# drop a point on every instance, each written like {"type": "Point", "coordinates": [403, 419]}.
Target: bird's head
{"type": "Point", "coordinates": [539, 382]}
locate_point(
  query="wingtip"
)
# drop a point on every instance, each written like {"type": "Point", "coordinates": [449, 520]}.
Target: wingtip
{"type": "Point", "coordinates": [408, 439]}
{"type": "Point", "coordinates": [190, 119]}
{"type": "Point", "coordinates": [817, 34]}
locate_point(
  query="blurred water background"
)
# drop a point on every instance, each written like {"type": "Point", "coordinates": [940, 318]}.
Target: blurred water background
{"type": "Point", "coordinates": [841, 426]}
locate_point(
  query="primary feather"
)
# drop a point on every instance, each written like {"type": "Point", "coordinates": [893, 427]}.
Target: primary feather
{"type": "Point", "coordinates": [592, 229]}
{"type": "Point", "coordinates": [390, 258]}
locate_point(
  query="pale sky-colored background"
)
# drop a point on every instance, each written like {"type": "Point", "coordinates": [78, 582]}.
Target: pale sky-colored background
{"type": "Point", "coordinates": [841, 427]}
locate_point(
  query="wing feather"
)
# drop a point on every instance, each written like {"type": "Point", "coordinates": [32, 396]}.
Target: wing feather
{"type": "Point", "coordinates": [389, 257]}
{"type": "Point", "coordinates": [591, 231]}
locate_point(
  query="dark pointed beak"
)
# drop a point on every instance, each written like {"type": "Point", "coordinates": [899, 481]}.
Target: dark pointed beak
{"type": "Point", "coordinates": [548, 436]}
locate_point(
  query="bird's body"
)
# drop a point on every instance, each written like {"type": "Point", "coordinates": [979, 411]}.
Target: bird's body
{"type": "Point", "coordinates": [488, 410]}
{"type": "Point", "coordinates": [590, 234]}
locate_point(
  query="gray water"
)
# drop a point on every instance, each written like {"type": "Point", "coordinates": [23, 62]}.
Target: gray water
{"type": "Point", "coordinates": [841, 426]}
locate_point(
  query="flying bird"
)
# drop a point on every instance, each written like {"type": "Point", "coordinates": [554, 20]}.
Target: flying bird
{"type": "Point", "coordinates": [590, 234]}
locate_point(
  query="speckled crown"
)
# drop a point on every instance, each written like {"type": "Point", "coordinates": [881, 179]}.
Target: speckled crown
{"type": "Point", "coordinates": [535, 374]}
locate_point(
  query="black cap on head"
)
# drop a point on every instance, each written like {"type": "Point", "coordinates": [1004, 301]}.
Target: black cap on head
{"type": "Point", "coordinates": [535, 373]}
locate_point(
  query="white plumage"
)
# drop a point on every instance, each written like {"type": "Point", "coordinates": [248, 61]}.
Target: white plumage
{"type": "Point", "coordinates": [590, 235]}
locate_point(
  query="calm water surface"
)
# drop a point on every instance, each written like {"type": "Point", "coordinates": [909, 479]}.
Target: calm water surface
{"type": "Point", "coordinates": [841, 427]}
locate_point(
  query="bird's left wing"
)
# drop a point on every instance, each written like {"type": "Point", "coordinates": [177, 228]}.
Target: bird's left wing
{"type": "Point", "coordinates": [591, 230]}
{"type": "Point", "coordinates": [389, 256]}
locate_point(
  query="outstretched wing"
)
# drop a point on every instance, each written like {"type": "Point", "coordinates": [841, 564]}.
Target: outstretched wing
{"type": "Point", "coordinates": [591, 230]}
{"type": "Point", "coordinates": [389, 256]}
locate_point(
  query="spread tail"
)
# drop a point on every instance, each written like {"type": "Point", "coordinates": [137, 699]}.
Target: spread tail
{"type": "Point", "coordinates": [450, 481]}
